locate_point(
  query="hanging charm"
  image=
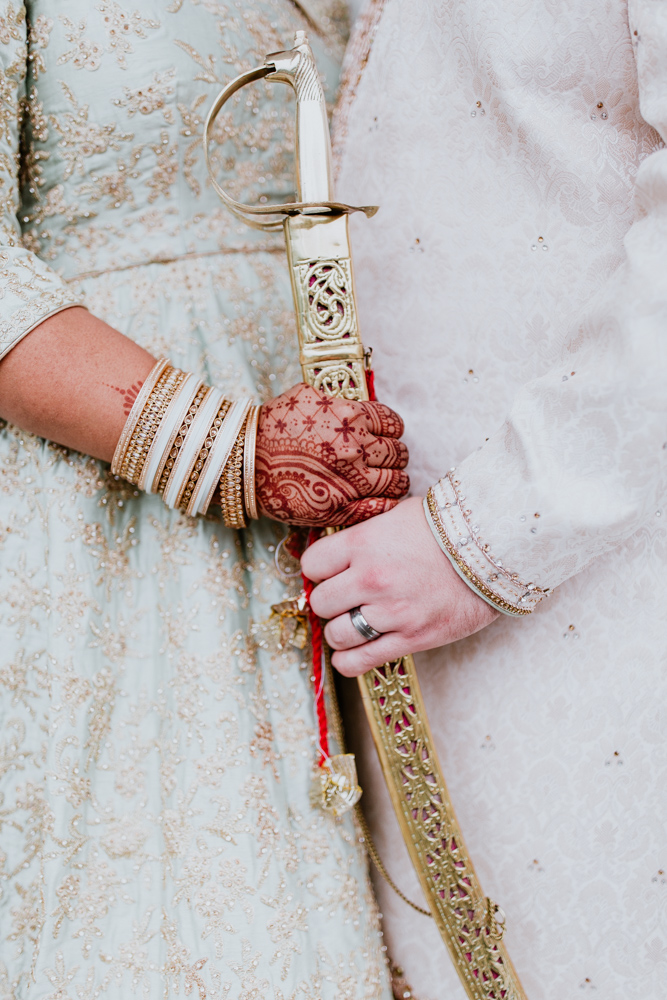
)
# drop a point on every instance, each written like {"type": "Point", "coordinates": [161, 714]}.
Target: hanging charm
{"type": "Point", "coordinates": [286, 626]}
{"type": "Point", "coordinates": [339, 786]}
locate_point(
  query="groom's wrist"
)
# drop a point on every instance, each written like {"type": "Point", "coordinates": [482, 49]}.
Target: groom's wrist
{"type": "Point", "coordinates": [470, 558]}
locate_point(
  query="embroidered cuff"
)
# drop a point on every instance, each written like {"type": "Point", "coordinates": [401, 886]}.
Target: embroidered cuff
{"type": "Point", "coordinates": [459, 539]}
{"type": "Point", "coordinates": [30, 292]}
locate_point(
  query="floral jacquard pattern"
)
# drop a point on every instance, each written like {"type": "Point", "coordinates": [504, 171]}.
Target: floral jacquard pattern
{"type": "Point", "coordinates": [157, 830]}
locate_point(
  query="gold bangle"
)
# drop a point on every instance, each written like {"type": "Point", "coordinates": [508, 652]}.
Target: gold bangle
{"type": "Point", "coordinates": [149, 424]}
{"type": "Point", "coordinates": [231, 485]}
{"type": "Point", "coordinates": [136, 411]}
{"type": "Point", "coordinates": [181, 402]}
{"type": "Point", "coordinates": [208, 485]}
{"type": "Point", "coordinates": [185, 470]}
{"type": "Point", "coordinates": [158, 450]}
{"type": "Point", "coordinates": [249, 450]}
{"type": "Point", "coordinates": [189, 498]}
{"type": "Point", "coordinates": [179, 439]}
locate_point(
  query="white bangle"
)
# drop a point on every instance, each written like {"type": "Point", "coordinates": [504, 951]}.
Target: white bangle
{"type": "Point", "coordinates": [218, 456]}
{"type": "Point", "coordinates": [169, 427]}
{"type": "Point", "coordinates": [192, 445]}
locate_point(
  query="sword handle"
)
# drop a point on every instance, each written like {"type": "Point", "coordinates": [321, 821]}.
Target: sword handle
{"type": "Point", "coordinates": [297, 67]}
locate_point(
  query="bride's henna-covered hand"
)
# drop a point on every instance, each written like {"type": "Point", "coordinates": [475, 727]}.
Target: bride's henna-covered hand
{"type": "Point", "coordinates": [324, 461]}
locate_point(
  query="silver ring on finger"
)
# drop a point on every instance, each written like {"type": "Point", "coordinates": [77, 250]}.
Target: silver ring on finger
{"type": "Point", "coordinates": [363, 628]}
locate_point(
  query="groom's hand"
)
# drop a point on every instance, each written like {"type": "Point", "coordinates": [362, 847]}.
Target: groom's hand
{"type": "Point", "coordinates": [392, 567]}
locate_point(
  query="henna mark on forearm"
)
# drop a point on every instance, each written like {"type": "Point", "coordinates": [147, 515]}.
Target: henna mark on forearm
{"type": "Point", "coordinates": [128, 395]}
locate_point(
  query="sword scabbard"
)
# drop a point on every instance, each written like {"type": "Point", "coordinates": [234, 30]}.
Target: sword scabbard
{"type": "Point", "coordinates": [333, 361]}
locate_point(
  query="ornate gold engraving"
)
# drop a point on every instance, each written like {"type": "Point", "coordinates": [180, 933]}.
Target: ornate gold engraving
{"type": "Point", "coordinates": [326, 300]}
{"type": "Point", "coordinates": [336, 378]}
{"type": "Point", "coordinates": [471, 924]}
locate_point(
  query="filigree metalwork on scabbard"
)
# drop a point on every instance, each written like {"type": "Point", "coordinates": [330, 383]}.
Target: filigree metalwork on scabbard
{"type": "Point", "coordinates": [325, 296]}
{"type": "Point", "coordinates": [471, 923]}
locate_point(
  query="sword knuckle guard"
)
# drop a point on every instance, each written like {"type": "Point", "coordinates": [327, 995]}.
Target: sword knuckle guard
{"type": "Point", "coordinates": [333, 360]}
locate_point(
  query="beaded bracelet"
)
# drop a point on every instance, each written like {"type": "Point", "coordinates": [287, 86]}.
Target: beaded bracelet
{"type": "Point", "coordinates": [249, 449]}
{"type": "Point", "coordinates": [231, 487]}
{"type": "Point", "coordinates": [131, 423]}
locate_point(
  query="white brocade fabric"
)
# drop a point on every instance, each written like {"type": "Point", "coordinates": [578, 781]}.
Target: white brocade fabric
{"type": "Point", "coordinates": [514, 288]}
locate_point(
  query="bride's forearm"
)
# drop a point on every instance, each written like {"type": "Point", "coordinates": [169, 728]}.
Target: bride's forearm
{"type": "Point", "coordinates": [73, 380]}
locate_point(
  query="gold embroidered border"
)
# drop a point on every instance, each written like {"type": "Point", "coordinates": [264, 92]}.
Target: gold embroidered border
{"type": "Point", "coordinates": [463, 567]}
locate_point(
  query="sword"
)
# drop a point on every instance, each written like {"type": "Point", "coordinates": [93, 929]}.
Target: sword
{"type": "Point", "coordinates": [333, 360]}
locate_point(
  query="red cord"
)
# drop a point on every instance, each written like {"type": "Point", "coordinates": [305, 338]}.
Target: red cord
{"type": "Point", "coordinates": [370, 384]}
{"type": "Point", "coordinates": [317, 641]}
{"type": "Point", "coordinates": [316, 631]}
{"type": "Point", "coordinates": [294, 546]}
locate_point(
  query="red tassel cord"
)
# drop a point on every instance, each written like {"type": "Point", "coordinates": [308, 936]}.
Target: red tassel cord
{"type": "Point", "coordinates": [370, 384]}
{"type": "Point", "coordinates": [293, 545]}
{"type": "Point", "coordinates": [317, 642]}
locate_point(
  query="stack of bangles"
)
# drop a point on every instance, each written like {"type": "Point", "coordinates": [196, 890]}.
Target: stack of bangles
{"type": "Point", "coordinates": [184, 441]}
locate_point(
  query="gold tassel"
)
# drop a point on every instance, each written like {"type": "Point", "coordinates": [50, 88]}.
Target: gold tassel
{"type": "Point", "coordinates": [339, 786]}
{"type": "Point", "coordinates": [286, 626]}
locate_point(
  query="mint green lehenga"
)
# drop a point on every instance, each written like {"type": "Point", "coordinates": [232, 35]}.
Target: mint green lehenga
{"type": "Point", "coordinates": [157, 834]}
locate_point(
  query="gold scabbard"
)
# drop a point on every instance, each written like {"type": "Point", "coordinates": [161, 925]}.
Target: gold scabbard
{"type": "Point", "coordinates": [332, 361]}
{"type": "Point", "coordinates": [471, 925]}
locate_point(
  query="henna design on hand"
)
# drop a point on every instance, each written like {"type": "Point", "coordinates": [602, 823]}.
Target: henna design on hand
{"type": "Point", "coordinates": [323, 461]}
{"type": "Point", "coordinates": [128, 395]}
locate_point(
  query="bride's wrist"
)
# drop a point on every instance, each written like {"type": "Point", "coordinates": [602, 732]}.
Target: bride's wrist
{"type": "Point", "coordinates": [186, 442]}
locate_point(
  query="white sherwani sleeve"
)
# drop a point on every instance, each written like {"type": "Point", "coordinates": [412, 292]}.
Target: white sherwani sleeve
{"type": "Point", "coordinates": [580, 463]}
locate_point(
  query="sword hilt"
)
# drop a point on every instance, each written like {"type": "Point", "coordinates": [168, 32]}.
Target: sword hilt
{"type": "Point", "coordinates": [297, 68]}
